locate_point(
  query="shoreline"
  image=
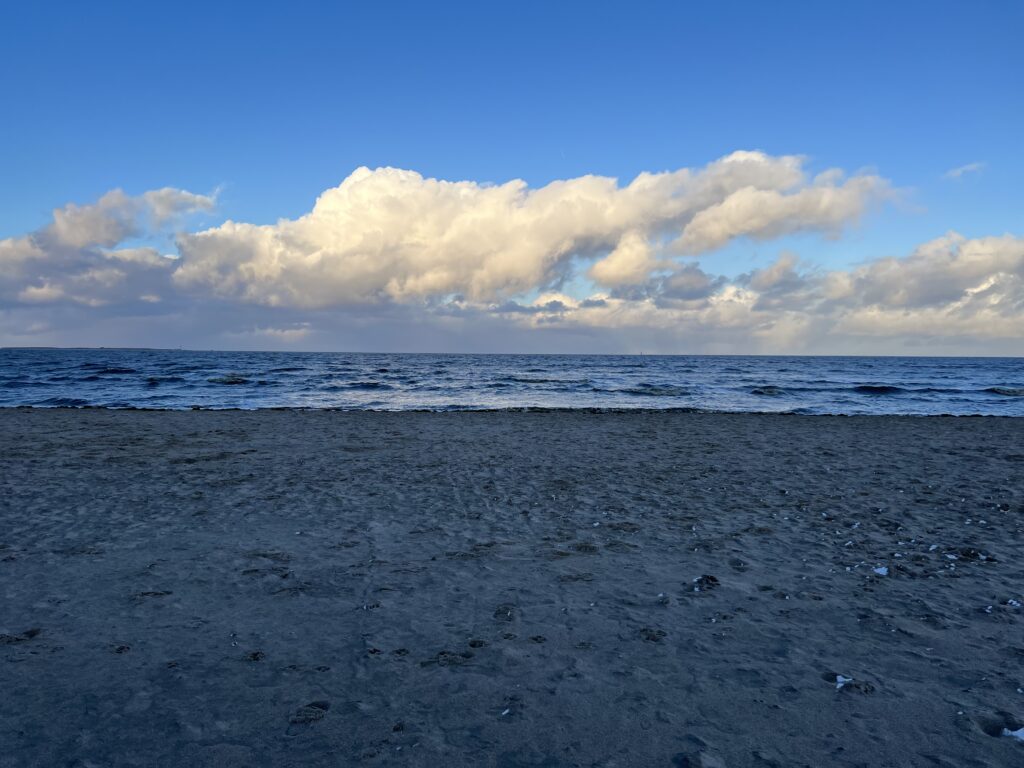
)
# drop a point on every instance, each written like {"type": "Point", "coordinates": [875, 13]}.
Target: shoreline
{"type": "Point", "coordinates": [510, 410]}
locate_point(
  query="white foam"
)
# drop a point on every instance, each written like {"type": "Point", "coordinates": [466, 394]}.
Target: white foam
{"type": "Point", "coordinates": [881, 570]}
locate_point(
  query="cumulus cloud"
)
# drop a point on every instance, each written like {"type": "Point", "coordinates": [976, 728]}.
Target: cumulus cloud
{"type": "Point", "coordinates": [826, 206]}
{"type": "Point", "coordinates": [630, 263]}
{"type": "Point", "coordinates": [393, 235]}
{"type": "Point", "coordinates": [948, 288]}
{"type": "Point", "coordinates": [392, 259]}
{"type": "Point", "coordinates": [74, 257]}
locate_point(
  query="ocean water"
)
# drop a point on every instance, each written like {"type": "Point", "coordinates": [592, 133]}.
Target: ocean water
{"type": "Point", "coordinates": [176, 379]}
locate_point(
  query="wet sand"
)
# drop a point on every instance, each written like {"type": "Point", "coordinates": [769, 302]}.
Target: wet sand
{"type": "Point", "coordinates": [509, 589]}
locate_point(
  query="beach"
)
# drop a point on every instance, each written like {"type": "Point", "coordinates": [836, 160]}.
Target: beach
{"type": "Point", "coordinates": [294, 588]}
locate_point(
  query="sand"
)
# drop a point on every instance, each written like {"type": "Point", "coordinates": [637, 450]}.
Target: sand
{"type": "Point", "coordinates": [509, 589]}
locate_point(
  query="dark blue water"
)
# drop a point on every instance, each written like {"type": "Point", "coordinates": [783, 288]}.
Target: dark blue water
{"type": "Point", "coordinates": [121, 378]}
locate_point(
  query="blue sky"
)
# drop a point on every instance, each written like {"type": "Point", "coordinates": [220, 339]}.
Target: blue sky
{"type": "Point", "coordinates": [273, 103]}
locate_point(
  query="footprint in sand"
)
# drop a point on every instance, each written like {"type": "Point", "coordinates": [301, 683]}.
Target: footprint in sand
{"type": "Point", "coordinates": [1000, 724]}
{"type": "Point", "coordinates": [274, 557]}
{"type": "Point", "coordinates": [569, 578]}
{"type": "Point", "coordinates": [651, 635]}
{"type": "Point", "coordinates": [705, 583]}
{"type": "Point", "coordinates": [308, 714]}
{"type": "Point", "coordinates": [21, 637]}
{"type": "Point", "coordinates": [448, 659]}
{"type": "Point", "coordinates": [621, 547]}
{"type": "Point", "coordinates": [624, 527]}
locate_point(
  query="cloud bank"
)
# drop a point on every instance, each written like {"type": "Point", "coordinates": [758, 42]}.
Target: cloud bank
{"type": "Point", "coordinates": [614, 267]}
{"type": "Point", "coordinates": [392, 235]}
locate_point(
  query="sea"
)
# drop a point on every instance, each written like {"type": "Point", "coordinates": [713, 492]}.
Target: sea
{"type": "Point", "coordinates": [180, 379]}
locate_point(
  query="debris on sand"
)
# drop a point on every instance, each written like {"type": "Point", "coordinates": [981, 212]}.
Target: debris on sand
{"type": "Point", "coordinates": [705, 583]}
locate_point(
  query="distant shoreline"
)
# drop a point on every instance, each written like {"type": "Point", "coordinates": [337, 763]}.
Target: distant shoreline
{"type": "Point", "coordinates": [762, 355]}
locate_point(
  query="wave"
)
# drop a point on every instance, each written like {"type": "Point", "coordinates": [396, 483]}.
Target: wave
{"type": "Point", "coordinates": [156, 381]}
{"type": "Point", "coordinates": [541, 380]}
{"type": "Point", "coordinates": [104, 369]}
{"type": "Point", "coordinates": [62, 402]}
{"type": "Point", "coordinates": [254, 380]}
{"type": "Point", "coordinates": [654, 390]}
{"type": "Point", "coordinates": [1006, 391]}
{"type": "Point", "coordinates": [357, 385]}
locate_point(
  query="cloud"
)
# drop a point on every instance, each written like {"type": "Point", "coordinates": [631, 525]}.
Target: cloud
{"type": "Point", "coordinates": [631, 262]}
{"type": "Point", "coordinates": [944, 272]}
{"type": "Point", "coordinates": [956, 173]}
{"type": "Point", "coordinates": [391, 235]}
{"type": "Point", "coordinates": [392, 260]}
{"type": "Point", "coordinates": [948, 289]}
{"type": "Point", "coordinates": [826, 206]}
{"type": "Point", "coordinates": [74, 258]}
{"type": "Point", "coordinates": [288, 335]}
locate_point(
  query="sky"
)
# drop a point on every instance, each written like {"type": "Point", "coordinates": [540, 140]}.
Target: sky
{"type": "Point", "coordinates": [663, 177]}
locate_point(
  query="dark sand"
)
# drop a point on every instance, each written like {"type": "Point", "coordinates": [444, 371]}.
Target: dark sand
{"type": "Point", "coordinates": [319, 588]}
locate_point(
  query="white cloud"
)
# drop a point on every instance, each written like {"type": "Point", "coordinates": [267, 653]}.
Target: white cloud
{"type": "Point", "coordinates": [630, 263]}
{"type": "Point", "coordinates": [949, 288]}
{"type": "Point", "coordinates": [391, 259]}
{"type": "Point", "coordinates": [956, 173]}
{"type": "Point", "coordinates": [74, 258]}
{"type": "Point", "coordinates": [115, 217]}
{"type": "Point", "coordinates": [40, 293]}
{"type": "Point", "coordinates": [287, 335]}
{"type": "Point", "coordinates": [941, 273]}
{"type": "Point", "coordinates": [390, 235]}
{"type": "Point", "coordinates": [826, 206]}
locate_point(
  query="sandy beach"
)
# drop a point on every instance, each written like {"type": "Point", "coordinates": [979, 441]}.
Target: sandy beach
{"type": "Point", "coordinates": [296, 588]}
